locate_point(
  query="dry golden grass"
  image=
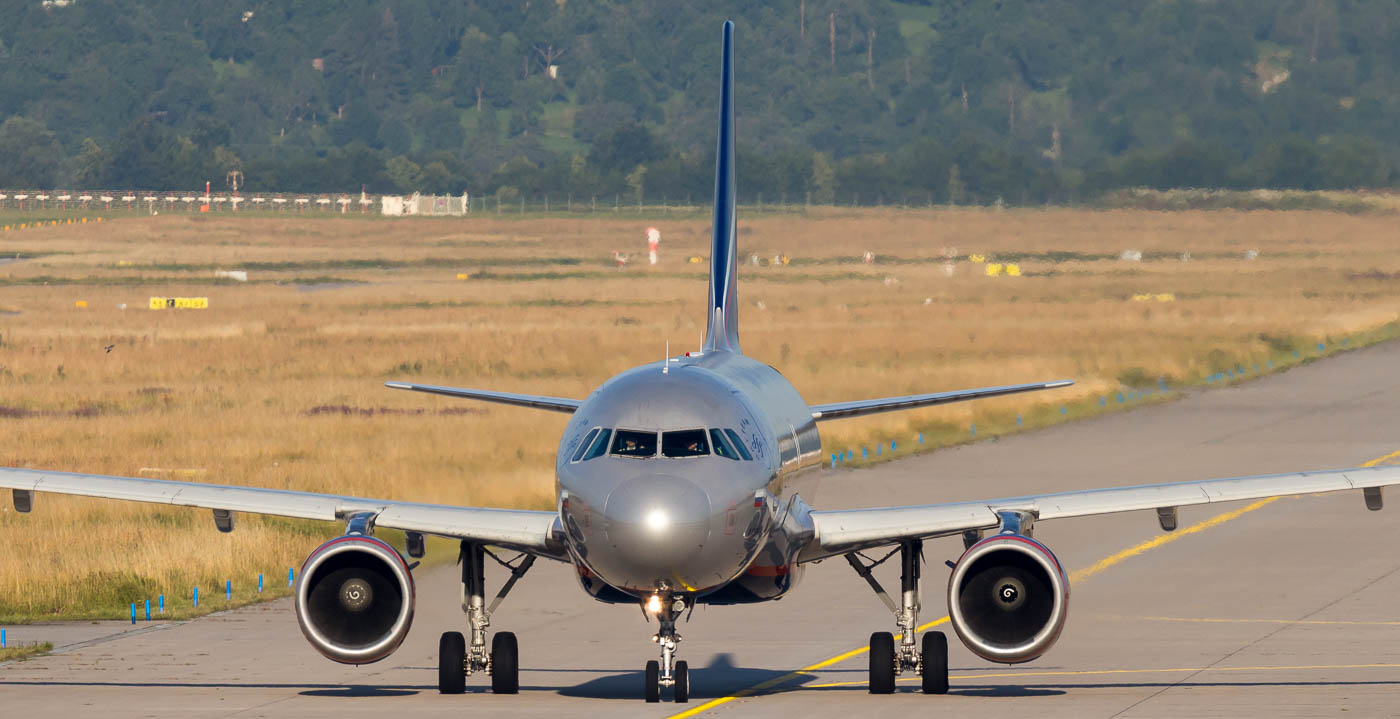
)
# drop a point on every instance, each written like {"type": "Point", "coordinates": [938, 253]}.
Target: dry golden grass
{"type": "Point", "coordinates": [335, 307]}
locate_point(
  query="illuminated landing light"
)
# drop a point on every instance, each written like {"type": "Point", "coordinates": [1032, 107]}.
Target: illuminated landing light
{"type": "Point", "coordinates": [654, 603]}
{"type": "Point", "coordinates": [657, 520]}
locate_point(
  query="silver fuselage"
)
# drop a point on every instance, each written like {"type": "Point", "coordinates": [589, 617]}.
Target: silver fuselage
{"type": "Point", "coordinates": [714, 529]}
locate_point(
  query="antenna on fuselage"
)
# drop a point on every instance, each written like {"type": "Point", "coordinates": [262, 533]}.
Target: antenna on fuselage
{"type": "Point", "coordinates": [666, 367]}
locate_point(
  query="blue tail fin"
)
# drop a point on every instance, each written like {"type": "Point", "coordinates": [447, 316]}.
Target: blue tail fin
{"type": "Point", "coordinates": [722, 332]}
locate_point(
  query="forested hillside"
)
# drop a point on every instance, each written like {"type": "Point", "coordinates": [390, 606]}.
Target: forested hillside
{"type": "Point", "coordinates": [853, 100]}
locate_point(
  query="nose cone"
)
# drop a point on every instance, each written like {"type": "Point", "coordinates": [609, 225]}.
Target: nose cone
{"type": "Point", "coordinates": [655, 523]}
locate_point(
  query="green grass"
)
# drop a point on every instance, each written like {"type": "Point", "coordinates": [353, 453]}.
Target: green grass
{"type": "Point", "coordinates": [25, 651]}
{"type": "Point", "coordinates": [558, 124]}
{"type": "Point", "coordinates": [1202, 199]}
{"type": "Point", "coordinates": [117, 593]}
{"type": "Point", "coordinates": [915, 26]}
{"type": "Point", "coordinates": [37, 219]}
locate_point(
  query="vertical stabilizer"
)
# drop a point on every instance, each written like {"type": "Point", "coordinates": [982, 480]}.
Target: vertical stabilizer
{"type": "Point", "coordinates": [722, 332]}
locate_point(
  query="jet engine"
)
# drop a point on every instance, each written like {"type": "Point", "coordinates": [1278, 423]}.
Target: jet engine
{"type": "Point", "coordinates": [1007, 598]}
{"type": "Point", "coordinates": [354, 599]}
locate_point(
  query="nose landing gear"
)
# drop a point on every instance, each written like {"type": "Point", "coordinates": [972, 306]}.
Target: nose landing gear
{"type": "Point", "coordinates": [456, 659]}
{"type": "Point", "coordinates": [929, 658]}
{"type": "Point", "coordinates": [668, 672]}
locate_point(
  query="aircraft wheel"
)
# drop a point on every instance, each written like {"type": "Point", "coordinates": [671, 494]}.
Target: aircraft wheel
{"type": "Point", "coordinates": [452, 658]}
{"type": "Point", "coordinates": [653, 692]}
{"type": "Point", "coordinates": [505, 664]}
{"type": "Point", "coordinates": [881, 663]}
{"type": "Point", "coordinates": [682, 682]}
{"type": "Point", "coordinates": [935, 663]}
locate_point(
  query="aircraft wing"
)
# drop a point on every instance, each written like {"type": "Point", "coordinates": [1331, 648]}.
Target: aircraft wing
{"type": "Point", "coordinates": [555, 404]}
{"type": "Point", "coordinates": [839, 410]}
{"type": "Point", "coordinates": [843, 531]}
{"type": "Point", "coordinates": [528, 531]}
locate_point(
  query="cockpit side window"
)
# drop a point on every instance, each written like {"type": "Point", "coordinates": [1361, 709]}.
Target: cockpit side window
{"type": "Point", "coordinates": [631, 443]}
{"type": "Point", "coordinates": [739, 444]}
{"type": "Point", "coordinates": [722, 446]}
{"type": "Point", "coordinates": [584, 445]}
{"type": "Point", "coordinates": [685, 443]}
{"type": "Point", "coordinates": [599, 446]}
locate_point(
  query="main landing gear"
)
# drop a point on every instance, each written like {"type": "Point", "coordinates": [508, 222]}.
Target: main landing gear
{"type": "Point", "coordinates": [927, 658]}
{"type": "Point", "coordinates": [668, 672]}
{"type": "Point", "coordinates": [457, 660]}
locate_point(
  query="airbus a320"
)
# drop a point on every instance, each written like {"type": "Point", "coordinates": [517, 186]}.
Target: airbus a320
{"type": "Point", "coordinates": [684, 482]}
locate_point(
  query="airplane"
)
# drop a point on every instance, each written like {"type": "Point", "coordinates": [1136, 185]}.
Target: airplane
{"type": "Point", "coordinates": [685, 482]}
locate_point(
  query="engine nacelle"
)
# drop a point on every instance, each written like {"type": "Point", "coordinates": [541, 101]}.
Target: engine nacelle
{"type": "Point", "coordinates": [1007, 598]}
{"type": "Point", "coordinates": [354, 599]}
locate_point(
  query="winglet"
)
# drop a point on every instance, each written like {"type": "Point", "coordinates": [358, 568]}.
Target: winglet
{"type": "Point", "coordinates": [722, 330]}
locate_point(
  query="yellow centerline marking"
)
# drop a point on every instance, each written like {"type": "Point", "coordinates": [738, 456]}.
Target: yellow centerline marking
{"type": "Point", "coordinates": [1380, 460]}
{"type": "Point", "coordinates": [1164, 539]}
{"type": "Point", "coordinates": [1106, 672]}
{"type": "Point", "coordinates": [1076, 577]}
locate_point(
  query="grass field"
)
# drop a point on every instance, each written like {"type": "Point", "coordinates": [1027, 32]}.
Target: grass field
{"type": "Point", "coordinates": [279, 382]}
{"type": "Point", "coordinates": [25, 651]}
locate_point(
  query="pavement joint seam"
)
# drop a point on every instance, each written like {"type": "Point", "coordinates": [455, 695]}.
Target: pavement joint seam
{"type": "Point", "coordinates": [1213, 665]}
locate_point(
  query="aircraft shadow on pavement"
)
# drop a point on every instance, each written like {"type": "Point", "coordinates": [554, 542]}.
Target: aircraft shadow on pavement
{"type": "Point", "coordinates": [720, 677]}
{"type": "Point", "coordinates": [1007, 690]}
{"type": "Point", "coordinates": [361, 691]}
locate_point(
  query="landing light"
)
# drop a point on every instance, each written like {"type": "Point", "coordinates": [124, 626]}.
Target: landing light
{"type": "Point", "coordinates": [654, 603]}
{"type": "Point", "coordinates": [657, 520]}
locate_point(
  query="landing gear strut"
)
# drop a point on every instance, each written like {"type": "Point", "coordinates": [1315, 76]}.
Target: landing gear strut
{"type": "Point", "coordinates": [928, 659]}
{"type": "Point", "coordinates": [456, 658]}
{"type": "Point", "coordinates": [668, 672]}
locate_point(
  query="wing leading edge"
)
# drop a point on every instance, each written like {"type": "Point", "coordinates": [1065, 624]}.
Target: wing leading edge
{"type": "Point", "coordinates": [538, 401]}
{"type": "Point", "coordinates": [840, 410]}
{"type": "Point", "coordinates": [528, 531]}
{"type": "Point", "coordinates": [843, 531]}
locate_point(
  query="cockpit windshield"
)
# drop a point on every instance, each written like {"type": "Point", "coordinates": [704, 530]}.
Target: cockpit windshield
{"type": "Point", "coordinates": [674, 445]}
{"type": "Point", "coordinates": [584, 445]}
{"type": "Point", "coordinates": [593, 445]}
{"type": "Point", "coordinates": [631, 443]}
{"type": "Point", "coordinates": [685, 443]}
{"type": "Point", "coordinates": [722, 446]}
{"type": "Point", "coordinates": [738, 444]}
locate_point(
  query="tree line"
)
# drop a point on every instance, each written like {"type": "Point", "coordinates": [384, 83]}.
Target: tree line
{"type": "Point", "coordinates": [852, 101]}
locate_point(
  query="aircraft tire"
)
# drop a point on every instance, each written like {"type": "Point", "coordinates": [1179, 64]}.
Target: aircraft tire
{"type": "Point", "coordinates": [452, 657]}
{"type": "Point", "coordinates": [653, 677]}
{"type": "Point", "coordinates": [682, 682]}
{"type": "Point", "coordinates": [505, 664]}
{"type": "Point", "coordinates": [935, 663]}
{"type": "Point", "coordinates": [881, 663]}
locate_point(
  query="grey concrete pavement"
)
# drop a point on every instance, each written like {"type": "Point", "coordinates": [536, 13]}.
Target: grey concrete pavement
{"type": "Point", "coordinates": [1288, 609]}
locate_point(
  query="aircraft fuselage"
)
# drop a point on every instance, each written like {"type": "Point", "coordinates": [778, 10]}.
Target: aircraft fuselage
{"type": "Point", "coordinates": [683, 478]}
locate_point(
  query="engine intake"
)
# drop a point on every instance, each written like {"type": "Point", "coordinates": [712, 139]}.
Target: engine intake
{"type": "Point", "coordinates": [354, 599]}
{"type": "Point", "coordinates": [1007, 598]}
